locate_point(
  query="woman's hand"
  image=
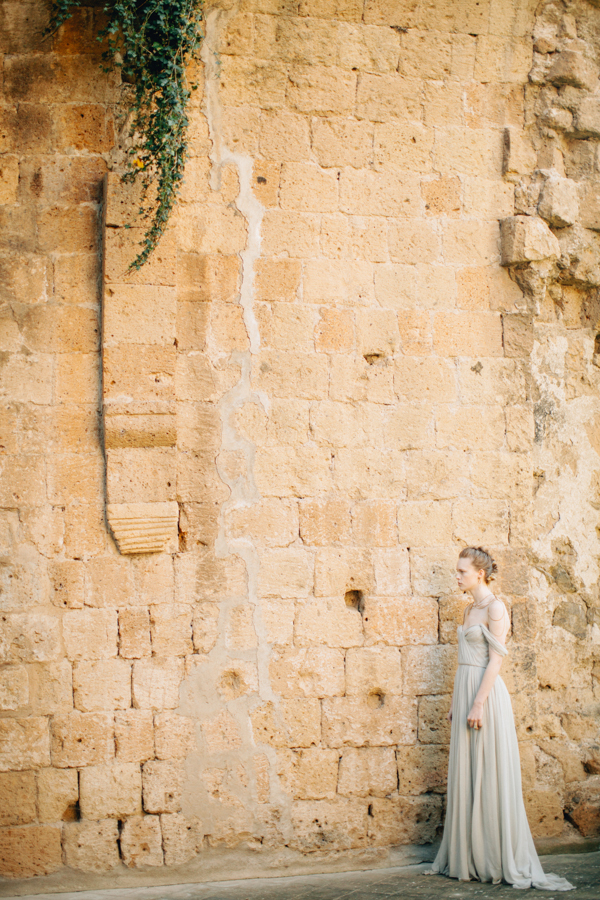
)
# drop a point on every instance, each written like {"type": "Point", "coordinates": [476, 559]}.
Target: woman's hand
{"type": "Point", "coordinates": [475, 717]}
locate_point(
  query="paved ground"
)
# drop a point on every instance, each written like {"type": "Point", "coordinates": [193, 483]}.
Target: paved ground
{"type": "Point", "coordinates": [582, 869]}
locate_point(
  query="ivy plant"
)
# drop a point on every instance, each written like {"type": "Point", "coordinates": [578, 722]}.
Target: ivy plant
{"type": "Point", "coordinates": [151, 41]}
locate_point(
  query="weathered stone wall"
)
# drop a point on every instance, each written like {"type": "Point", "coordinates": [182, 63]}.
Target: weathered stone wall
{"type": "Point", "coordinates": [342, 370]}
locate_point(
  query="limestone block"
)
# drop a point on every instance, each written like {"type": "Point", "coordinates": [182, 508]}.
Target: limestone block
{"type": "Point", "coordinates": [346, 425]}
{"type": "Point", "coordinates": [82, 739]}
{"type": "Point", "coordinates": [28, 637]}
{"type": "Point", "coordinates": [285, 326]}
{"type": "Point", "coordinates": [278, 618]}
{"type": "Point", "coordinates": [285, 573]}
{"type": "Point", "coordinates": [342, 142]}
{"type": "Point", "coordinates": [110, 791]}
{"type": "Point", "coordinates": [558, 203]}
{"type": "Point", "coordinates": [580, 727]}
{"type": "Point", "coordinates": [383, 98]}
{"type": "Point", "coordinates": [205, 627]}
{"type": "Point", "coordinates": [141, 842]}
{"type": "Point", "coordinates": [467, 334]}
{"type": "Point", "coordinates": [174, 735]}
{"type": "Point", "coordinates": [91, 846]}
{"type": "Point", "coordinates": [422, 523]}
{"type": "Point", "coordinates": [237, 678]}
{"type": "Point", "coordinates": [414, 241]}
{"type": "Point", "coordinates": [374, 523]}
{"type": "Point", "coordinates": [221, 733]}
{"type": "Point", "coordinates": [9, 179]}
{"type": "Point", "coordinates": [499, 381]}
{"type": "Point", "coordinates": [90, 633]}
{"type": "Point", "coordinates": [57, 794]}
{"type": "Point", "coordinates": [324, 521]}
{"type": "Point", "coordinates": [404, 820]}
{"type": "Point", "coordinates": [434, 727]}
{"type": "Point", "coordinates": [422, 770]}
{"type": "Point", "coordinates": [102, 684]}
{"type": "Point", "coordinates": [17, 798]}
{"type": "Point", "coordinates": [370, 472]}
{"type": "Point", "coordinates": [295, 723]}
{"type": "Point", "coordinates": [272, 522]}
{"type": "Point", "coordinates": [14, 688]}
{"type": "Point", "coordinates": [345, 282]}
{"type": "Point", "coordinates": [156, 683]}
{"type": "Point", "coordinates": [24, 743]}
{"type": "Point", "coordinates": [410, 427]}
{"type": "Point", "coordinates": [364, 192]}
{"type": "Point", "coordinates": [163, 786]}
{"type": "Point", "coordinates": [372, 670]}
{"type": "Point", "coordinates": [134, 633]}
{"type": "Point", "coordinates": [587, 116]}
{"type": "Point", "coordinates": [328, 621]}
{"type": "Point", "coordinates": [338, 570]}
{"type": "Point", "coordinates": [434, 475]}
{"type": "Point", "coordinates": [334, 331]}
{"type": "Point", "coordinates": [368, 772]}
{"type": "Point", "coordinates": [582, 805]}
{"type": "Point", "coordinates": [26, 851]}
{"type": "Point", "coordinates": [171, 630]}
{"type": "Point", "coordinates": [519, 157]}
{"type": "Point", "coordinates": [378, 719]}
{"type": "Point", "coordinates": [68, 579]}
{"type": "Point", "coordinates": [481, 522]}
{"type": "Point", "coordinates": [309, 774]}
{"type": "Point", "coordinates": [240, 631]}
{"type": "Point", "coordinates": [308, 188]}
{"type": "Point", "coordinates": [318, 89]}
{"type": "Point", "coordinates": [471, 242]}
{"type": "Point", "coordinates": [182, 837]}
{"type": "Point", "coordinates": [422, 379]}
{"type": "Point", "coordinates": [285, 135]}
{"type": "Point", "coordinates": [291, 232]}
{"type": "Point", "coordinates": [140, 475]}
{"type": "Point", "coordinates": [401, 620]}
{"type": "Point", "coordinates": [121, 247]}
{"type": "Point", "coordinates": [590, 205]}
{"type": "Point", "coordinates": [339, 824]}
{"type": "Point", "coordinates": [428, 670]}
{"type": "Point", "coordinates": [544, 812]}
{"type": "Point", "coordinates": [294, 375]}
{"type": "Point", "coordinates": [308, 672]}
{"type": "Point", "coordinates": [526, 239]}
{"type": "Point", "coordinates": [134, 735]}
{"type": "Point", "coordinates": [572, 67]}
{"type": "Point", "coordinates": [293, 471]}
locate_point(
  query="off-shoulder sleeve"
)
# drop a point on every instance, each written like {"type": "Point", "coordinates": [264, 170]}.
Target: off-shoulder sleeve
{"type": "Point", "coordinates": [494, 642]}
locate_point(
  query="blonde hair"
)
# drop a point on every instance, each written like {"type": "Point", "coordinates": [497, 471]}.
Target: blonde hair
{"type": "Point", "coordinates": [481, 559]}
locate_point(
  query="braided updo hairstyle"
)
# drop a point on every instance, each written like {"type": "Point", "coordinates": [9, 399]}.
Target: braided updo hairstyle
{"type": "Point", "coordinates": [481, 559]}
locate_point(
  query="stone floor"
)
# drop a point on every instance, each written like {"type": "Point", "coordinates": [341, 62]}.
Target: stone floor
{"type": "Point", "coordinates": [582, 869]}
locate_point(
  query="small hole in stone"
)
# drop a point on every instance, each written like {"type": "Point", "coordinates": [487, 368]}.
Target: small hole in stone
{"type": "Point", "coordinates": [373, 358]}
{"type": "Point", "coordinates": [597, 344]}
{"type": "Point", "coordinates": [376, 699]}
{"type": "Point", "coordinates": [370, 810]}
{"type": "Point", "coordinates": [261, 179]}
{"type": "Point", "coordinates": [355, 600]}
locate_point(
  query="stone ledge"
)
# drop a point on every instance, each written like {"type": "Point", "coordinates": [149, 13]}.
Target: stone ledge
{"type": "Point", "coordinates": [142, 527]}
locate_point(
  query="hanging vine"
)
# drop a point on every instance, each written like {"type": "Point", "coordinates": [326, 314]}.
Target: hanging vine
{"type": "Point", "coordinates": [151, 41]}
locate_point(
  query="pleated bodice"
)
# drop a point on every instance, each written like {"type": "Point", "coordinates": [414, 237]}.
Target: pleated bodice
{"type": "Point", "coordinates": [474, 645]}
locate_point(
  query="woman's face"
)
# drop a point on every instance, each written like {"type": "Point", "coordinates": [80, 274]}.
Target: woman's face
{"type": "Point", "coordinates": [467, 575]}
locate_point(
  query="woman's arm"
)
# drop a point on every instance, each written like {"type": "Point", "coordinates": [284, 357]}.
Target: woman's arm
{"type": "Point", "coordinates": [498, 626]}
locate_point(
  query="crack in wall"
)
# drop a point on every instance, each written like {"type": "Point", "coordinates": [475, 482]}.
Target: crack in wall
{"type": "Point", "coordinates": [243, 488]}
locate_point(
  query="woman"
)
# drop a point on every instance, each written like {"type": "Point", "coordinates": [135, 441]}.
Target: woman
{"type": "Point", "coordinates": [486, 834]}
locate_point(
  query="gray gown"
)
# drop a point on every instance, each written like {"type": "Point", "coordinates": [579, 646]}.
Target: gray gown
{"type": "Point", "coordinates": [486, 833]}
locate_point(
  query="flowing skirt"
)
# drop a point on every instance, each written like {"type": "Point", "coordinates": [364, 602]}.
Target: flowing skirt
{"type": "Point", "coordinates": [486, 833]}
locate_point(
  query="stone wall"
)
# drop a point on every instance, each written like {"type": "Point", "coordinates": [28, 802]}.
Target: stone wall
{"type": "Point", "coordinates": [337, 369]}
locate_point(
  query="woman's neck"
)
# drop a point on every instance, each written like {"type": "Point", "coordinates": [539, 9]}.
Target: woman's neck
{"type": "Point", "coordinates": [480, 593]}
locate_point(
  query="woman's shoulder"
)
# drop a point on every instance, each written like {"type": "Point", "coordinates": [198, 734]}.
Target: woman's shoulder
{"type": "Point", "coordinates": [496, 608]}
